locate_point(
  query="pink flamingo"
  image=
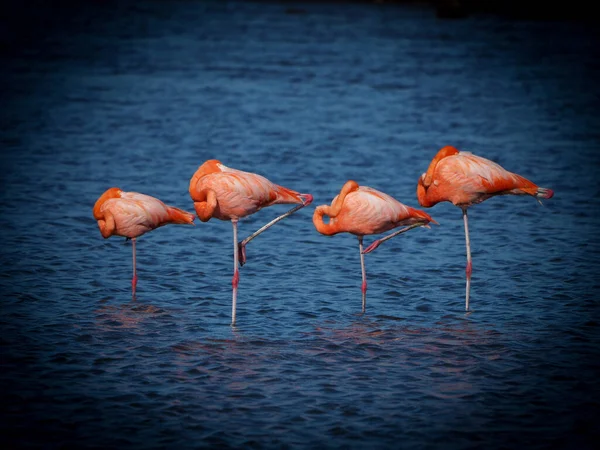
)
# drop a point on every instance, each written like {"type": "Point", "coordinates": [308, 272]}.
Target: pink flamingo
{"type": "Point", "coordinates": [465, 179]}
{"type": "Point", "coordinates": [229, 194]}
{"type": "Point", "coordinates": [361, 210]}
{"type": "Point", "coordinates": [130, 214]}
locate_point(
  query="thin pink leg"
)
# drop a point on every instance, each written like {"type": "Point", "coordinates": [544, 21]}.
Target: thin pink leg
{"type": "Point", "coordinates": [306, 200]}
{"type": "Point", "coordinates": [378, 242]}
{"type": "Point", "coordinates": [235, 281]}
{"type": "Point", "coordinates": [134, 279]}
{"type": "Point", "coordinates": [469, 268]}
{"type": "Point", "coordinates": [364, 274]}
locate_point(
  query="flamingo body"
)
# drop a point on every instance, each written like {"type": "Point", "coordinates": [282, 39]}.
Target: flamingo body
{"type": "Point", "coordinates": [365, 211]}
{"type": "Point", "coordinates": [465, 179]}
{"type": "Point", "coordinates": [229, 194]}
{"type": "Point", "coordinates": [362, 210]}
{"type": "Point", "coordinates": [131, 214]}
{"type": "Point", "coordinates": [237, 193]}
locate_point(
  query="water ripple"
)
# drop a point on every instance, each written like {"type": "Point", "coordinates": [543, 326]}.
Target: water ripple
{"type": "Point", "coordinates": [139, 96]}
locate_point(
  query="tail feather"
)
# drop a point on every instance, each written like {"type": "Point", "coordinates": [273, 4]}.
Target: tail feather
{"type": "Point", "coordinates": [524, 186]}
{"type": "Point", "coordinates": [422, 216]}
{"type": "Point", "coordinates": [544, 193]}
{"type": "Point", "coordinates": [535, 191]}
{"type": "Point", "coordinates": [285, 195]}
{"type": "Point", "coordinates": [180, 216]}
{"type": "Point", "coordinates": [425, 216]}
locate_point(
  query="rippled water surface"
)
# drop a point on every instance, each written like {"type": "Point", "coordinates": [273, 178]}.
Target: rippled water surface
{"type": "Point", "coordinates": [138, 95]}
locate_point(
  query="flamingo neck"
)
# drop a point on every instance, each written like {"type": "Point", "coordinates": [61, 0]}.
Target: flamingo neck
{"type": "Point", "coordinates": [422, 197]}
{"type": "Point", "coordinates": [205, 207]}
{"type": "Point", "coordinates": [443, 153]}
{"type": "Point", "coordinates": [327, 229]}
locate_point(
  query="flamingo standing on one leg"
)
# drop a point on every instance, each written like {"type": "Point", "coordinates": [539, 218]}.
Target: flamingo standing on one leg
{"type": "Point", "coordinates": [229, 194]}
{"type": "Point", "coordinates": [361, 210]}
{"type": "Point", "coordinates": [130, 215]}
{"type": "Point", "coordinates": [465, 179]}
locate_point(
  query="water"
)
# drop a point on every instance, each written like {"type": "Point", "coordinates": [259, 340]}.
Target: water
{"type": "Point", "coordinates": [138, 95]}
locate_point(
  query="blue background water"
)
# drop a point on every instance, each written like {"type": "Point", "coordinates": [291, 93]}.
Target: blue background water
{"type": "Point", "coordinates": [138, 95]}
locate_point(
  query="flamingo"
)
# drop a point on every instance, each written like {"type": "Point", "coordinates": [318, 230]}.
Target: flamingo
{"type": "Point", "coordinates": [130, 214]}
{"type": "Point", "coordinates": [229, 194]}
{"type": "Point", "coordinates": [465, 179]}
{"type": "Point", "coordinates": [362, 210]}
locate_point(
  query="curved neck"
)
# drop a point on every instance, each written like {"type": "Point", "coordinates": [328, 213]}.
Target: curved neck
{"type": "Point", "coordinates": [205, 205]}
{"type": "Point", "coordinates": [332, 211]}
{"type": "Point", "coordinates": [444, 152]}
{"type": "Point", "coordinates": [324, 228]}
{"type": "Point", "coordinates": [107, 225]}
{"type": "Point", "coordinates": [422, 194]}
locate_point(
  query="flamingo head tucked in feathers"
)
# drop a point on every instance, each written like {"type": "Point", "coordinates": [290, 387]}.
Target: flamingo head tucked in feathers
{"type": "Point", "coordinates": [208, 167]}
{"type": "Point", "coordinates": [113, 192]}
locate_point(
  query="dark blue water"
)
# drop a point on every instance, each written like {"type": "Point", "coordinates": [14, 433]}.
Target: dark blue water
{"type": "Point", "coordinates": [139, 95]}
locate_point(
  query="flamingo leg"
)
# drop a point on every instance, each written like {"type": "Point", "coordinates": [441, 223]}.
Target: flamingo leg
{"type": "Point", "coordinates": [135, 278]}
{"type": "Point", "coordinates": [235, 281]}
{"type": "Point", "coordinates": [378, 242]}
{"type": "Point", "coordinates": [364, 274]}
{"type": "Point", "coordinates": [469, 269]}
{"type": "Point", "coordinates": [242, 245]}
